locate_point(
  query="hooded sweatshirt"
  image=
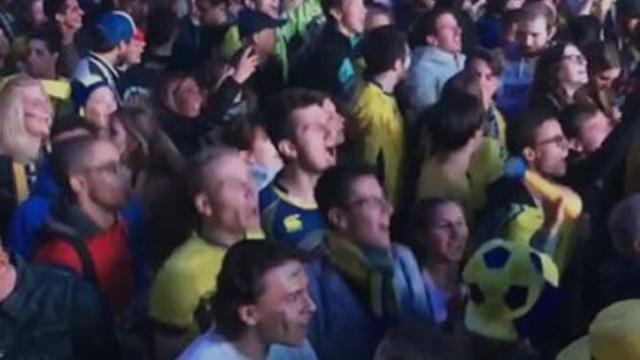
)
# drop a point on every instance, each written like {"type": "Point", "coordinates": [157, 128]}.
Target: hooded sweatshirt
{"type": "Point", "coordinates": [431, 67]}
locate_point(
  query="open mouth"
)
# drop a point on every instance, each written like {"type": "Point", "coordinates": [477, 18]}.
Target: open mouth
{"type": "Point", "coordinates": [332, 152]}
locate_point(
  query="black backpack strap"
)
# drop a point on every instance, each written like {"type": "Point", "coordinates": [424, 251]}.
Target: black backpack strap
{"type": "Point", "coordinates": [80, 247]}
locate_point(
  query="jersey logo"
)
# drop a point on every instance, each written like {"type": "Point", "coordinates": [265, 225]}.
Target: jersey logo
{"type": "Point", "coordinates": [292, 223]}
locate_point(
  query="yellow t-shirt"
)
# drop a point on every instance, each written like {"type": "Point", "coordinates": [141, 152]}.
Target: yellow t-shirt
{"type": "Point", "coordinates": [185, 284]}
{"type": "Point", "coordinates": [433, 182]}
{"type": "Point", "coordinates": [380, 136]}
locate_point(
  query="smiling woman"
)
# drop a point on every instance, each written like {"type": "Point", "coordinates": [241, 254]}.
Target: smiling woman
{"type": "Point", "coordinates": [27, 114]}
{"type": "Point", "coordinates": [441, 235]}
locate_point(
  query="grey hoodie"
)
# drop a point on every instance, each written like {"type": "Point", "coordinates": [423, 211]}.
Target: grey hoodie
{"type": "Point", "coordinates": [430, 69]}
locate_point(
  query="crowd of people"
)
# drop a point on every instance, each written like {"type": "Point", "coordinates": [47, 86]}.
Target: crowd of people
{"type": "Point", "coordinates": [320, 179]}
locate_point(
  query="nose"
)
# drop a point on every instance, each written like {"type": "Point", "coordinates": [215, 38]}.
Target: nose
{"type": "Point", "coordinates": [387, 207]}
{"type": "Point", "coordinates": [310, 305]}
{"type": "Point", "coordinates": [528, 40]}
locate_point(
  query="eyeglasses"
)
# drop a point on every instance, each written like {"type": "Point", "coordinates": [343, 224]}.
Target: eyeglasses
{"type": "Point", "coordinates": [112, 167]}
{"type": "Point", "coordinates": [576, 58]}
{"type": "Point", "coordinates": [559, 140]}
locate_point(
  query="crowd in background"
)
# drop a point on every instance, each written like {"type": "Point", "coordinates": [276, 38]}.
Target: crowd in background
{"type": "Point", "coordinates": [320, 179]}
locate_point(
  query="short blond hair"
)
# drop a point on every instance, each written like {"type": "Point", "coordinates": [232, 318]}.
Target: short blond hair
{"type": "Point", "coordinates": [13, 132]}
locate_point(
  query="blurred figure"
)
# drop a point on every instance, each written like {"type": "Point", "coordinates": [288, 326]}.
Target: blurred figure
{"type": "Point", "coordinates": [605, 71]}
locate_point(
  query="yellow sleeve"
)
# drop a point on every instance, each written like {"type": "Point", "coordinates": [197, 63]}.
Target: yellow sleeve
{"type": "Point", "coordinates": [174, 299]}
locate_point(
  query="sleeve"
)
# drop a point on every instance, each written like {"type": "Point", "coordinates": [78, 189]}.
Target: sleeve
{"type": "Point", "coordinates": [28, 219]}
{"type": "Point", "coordinates": [92, 329]}
{"type": "Point", "coordinates": [173, 300]}
{"type": "Point", "coordinates": [59, 253]}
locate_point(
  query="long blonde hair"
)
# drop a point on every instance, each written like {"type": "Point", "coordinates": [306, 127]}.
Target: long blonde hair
{"type": "Point", "coordinates": [14, 138]}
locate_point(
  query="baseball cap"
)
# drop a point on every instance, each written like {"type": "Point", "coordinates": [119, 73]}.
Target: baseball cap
{"type": "Point", "coordinates": [115, 27]}
{"type": "Point", "coordinates": [251, 22]}
{"type": "Point", "coordinates": [613, 335]}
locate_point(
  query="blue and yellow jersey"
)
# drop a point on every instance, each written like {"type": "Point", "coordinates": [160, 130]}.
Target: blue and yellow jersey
{"type": "Point", "coordinates": [291, 221]}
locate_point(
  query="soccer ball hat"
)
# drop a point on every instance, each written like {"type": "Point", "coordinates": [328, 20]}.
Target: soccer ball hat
{"type": "Point", "coordinates": [613, 335]}
{"type": "Point", "coordinates": [506, 280]}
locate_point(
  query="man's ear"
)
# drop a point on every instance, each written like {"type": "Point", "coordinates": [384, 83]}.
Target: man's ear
{"type": "Point", "coordinates": [529, 154]}
{"type": "Point", "coordinates": [248, 314]}
{"type": "Point", "coordinates": [287, 149]}
{"type": "Point", "coordinates": [78, 184]}
{"type": "Point", "coordinates": [336, 13]}
{"type": "Point", "coordinates": [398, 66]}
{"type": "Point", "coordinates": [246, 155]}
{"type": "Point", "coordinates": [552, 33]}
{"type": "Point", "coordinates": [431, 40]}
{"type": "Point", "coordinates": [58, 17]}
{"type": "Point", "coordinates": [337, 218]}
{"type": "Point", "coordinates": [203, 204]}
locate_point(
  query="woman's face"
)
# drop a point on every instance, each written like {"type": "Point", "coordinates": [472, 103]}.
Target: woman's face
{"type": "Point", "coordinates": [100, 105]}
{"type": "Point", "coordinates": [447, 234]}
{"type": "Point", "coordinates": [188, 99]}
{"type": "Point", "coordinates": [573, 67]}
{"type": "Point", "coordinates": [605, 79]}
